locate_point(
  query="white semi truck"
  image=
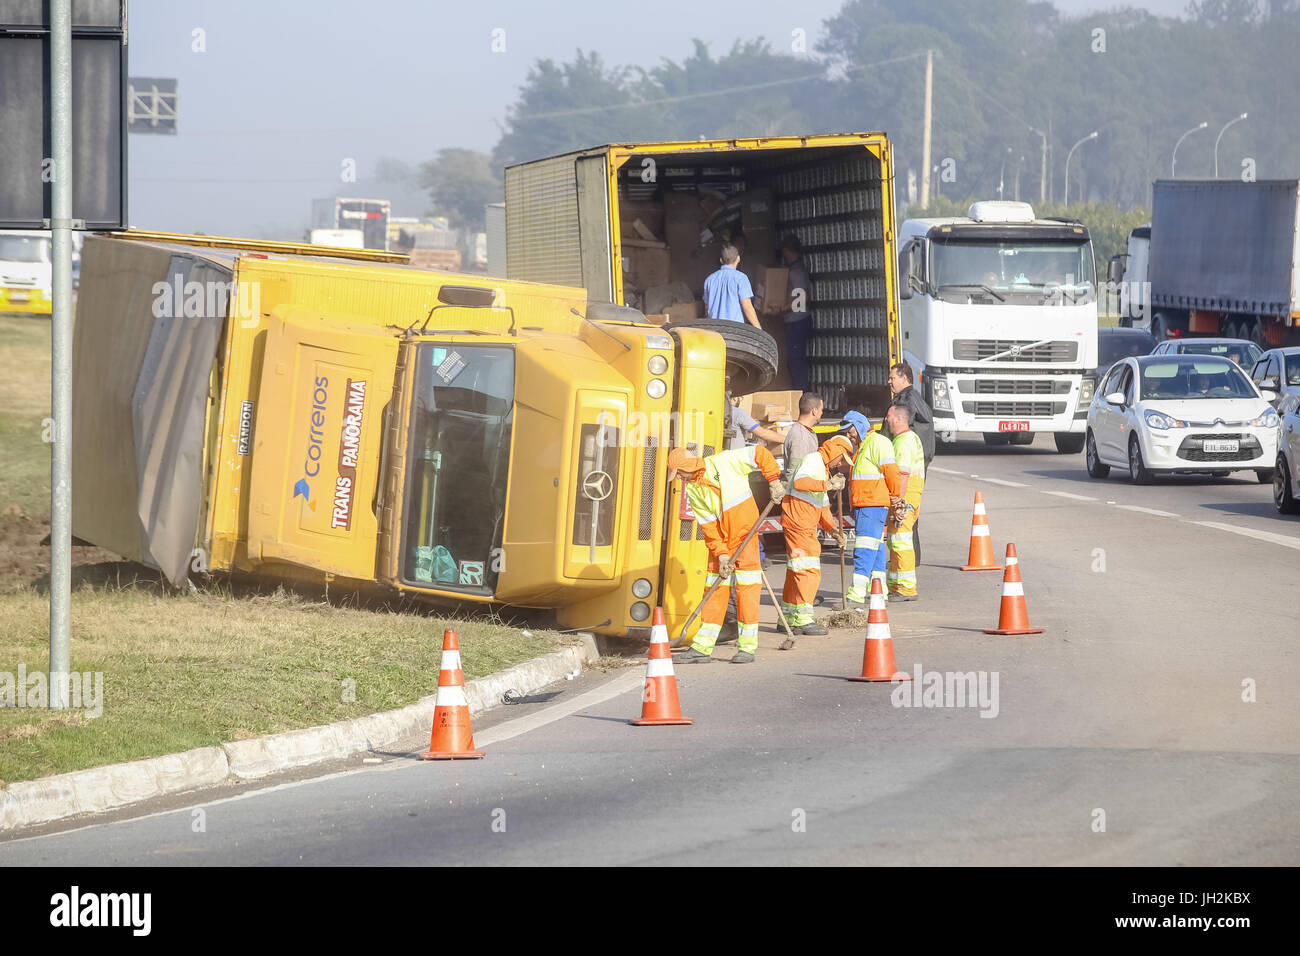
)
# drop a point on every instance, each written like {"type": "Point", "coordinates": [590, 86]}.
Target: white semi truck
{"type": "Point", "coordinates": [999, 322]}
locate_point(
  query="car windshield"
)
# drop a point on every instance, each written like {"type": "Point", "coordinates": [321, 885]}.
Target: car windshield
{"type": "Point", "coordinates": [1192, 379]}
{"type": "Point", "coordinates": [1243, 353]}
{"type": "Point", "coordinates": [1293, 369]}
{"type": "Point", "coordinates": [1112, 348]}
{"type": "Point", "coordinates": [1027, 272]}
{"type": "Point", "coordinates": [24, 248]}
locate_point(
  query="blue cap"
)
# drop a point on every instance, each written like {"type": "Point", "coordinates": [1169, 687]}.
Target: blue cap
{"type": "Point", "coordinates": [858, 421]}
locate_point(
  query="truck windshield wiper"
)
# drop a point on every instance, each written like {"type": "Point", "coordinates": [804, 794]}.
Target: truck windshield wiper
{"type": "Point", "coordinates": [973, 285]}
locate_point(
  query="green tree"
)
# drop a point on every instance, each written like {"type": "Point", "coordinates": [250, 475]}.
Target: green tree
{"type": "Point", "coordinates": [461, 182]}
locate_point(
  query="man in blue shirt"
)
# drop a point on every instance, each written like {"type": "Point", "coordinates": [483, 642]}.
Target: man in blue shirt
{"type": "Point", "coordinates": [727, 292]}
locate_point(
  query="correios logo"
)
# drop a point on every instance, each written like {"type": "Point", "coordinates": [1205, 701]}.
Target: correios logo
{"type": "Point", "coordinates": [315, 442]}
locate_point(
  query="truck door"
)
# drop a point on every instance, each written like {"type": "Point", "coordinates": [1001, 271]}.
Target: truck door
{"type": "Point", "coordinates": [315, 458]}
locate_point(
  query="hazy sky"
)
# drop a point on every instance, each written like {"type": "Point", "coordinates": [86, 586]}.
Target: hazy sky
{"type": "Point", "coordinates": [284, 91]}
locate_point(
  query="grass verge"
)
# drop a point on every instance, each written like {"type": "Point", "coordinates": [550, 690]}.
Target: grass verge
{"type": "Point", "coordinates": [208, 667]}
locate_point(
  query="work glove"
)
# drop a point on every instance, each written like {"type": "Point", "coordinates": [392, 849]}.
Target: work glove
{"type": "Point", "coordinates": [841, 539]}
{"type": "Point", "coordinates": [777, 489]}
{"type": "Point", "coordinates": [726, 566]}
{"type": "Point", "coordinates": [836, 483]}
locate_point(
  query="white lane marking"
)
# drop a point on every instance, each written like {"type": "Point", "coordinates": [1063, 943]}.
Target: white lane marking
{"type": "Point", "coordinates": [946, 471]}
{"type": "Point", "coordinates": [619, 685]}
{"type": "Point", "coordinates": [1000, 481]}
{"type": "Point", "coordinates": [1149, 511]}
{"type": "Point", "coordinates": [513, 728]}
{"type": "Point", "coordinates": [1286, 540]}
{"type": "Point", "coordinates": [1067, 494]}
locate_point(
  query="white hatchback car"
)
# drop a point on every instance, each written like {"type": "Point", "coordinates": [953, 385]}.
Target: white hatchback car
{"type": "Point", "coordinates": [1165, 414]}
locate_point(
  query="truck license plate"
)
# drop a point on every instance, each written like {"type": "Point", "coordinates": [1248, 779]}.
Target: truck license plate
{"type": "Point", "coordinates": [1013, 426]}
{"type": "Point", "coordinates": [1221, 446]}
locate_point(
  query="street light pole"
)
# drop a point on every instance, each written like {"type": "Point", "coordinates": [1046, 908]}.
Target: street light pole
{"type": "Point", "coordinates": [1092, 135]}
{"type": "Point", "coordinates": [1219, 137]}
{"type": "Point", "coordinates": [1173, 160]}
{"type": "Point", "coordinates": [1042, 180]}
{"type": "Point", "coordinates": [1002, 172]}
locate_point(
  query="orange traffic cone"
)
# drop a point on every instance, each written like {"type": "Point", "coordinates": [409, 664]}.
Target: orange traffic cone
{"type": "Point", "coordinates": [453, 737]}
{"type": "Point", "coordinates": [1014, 618]}
{"type": "Point", "coordinates": [878, 654]}
{"type": "Point", "coordinates": [659, 703]}
{"type": "Point", "coordinates": [981, 546]}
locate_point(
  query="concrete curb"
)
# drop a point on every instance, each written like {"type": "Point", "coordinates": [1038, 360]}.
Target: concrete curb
{"type": "Point", "coordinates": [32, 802]}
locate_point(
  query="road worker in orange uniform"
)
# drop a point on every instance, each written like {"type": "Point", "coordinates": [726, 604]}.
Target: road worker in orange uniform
{"type": "Point", "coordinates": [717, 489]}
{"type": "Point", "coordinates": [803, 511]}
{"type": "Point", "coordinates": [874, 488]}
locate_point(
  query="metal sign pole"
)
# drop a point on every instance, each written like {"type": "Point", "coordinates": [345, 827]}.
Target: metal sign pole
{"type": "Point", "coordinates": [61, 463]}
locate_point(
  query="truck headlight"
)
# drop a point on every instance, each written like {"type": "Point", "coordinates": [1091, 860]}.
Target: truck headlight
{"type": "Point", "coordinates": [1085, 390]}
{"type": "Point", "coordinates": [940, 400]}
{"type": "Point", "coordinates": [656, 388]}
{"type": "Point", "coordinates": [641, 588]}
{"type": "Point", "coordinates": [639, 611]}
{"type": "Point", "coordinates": [657, 365]}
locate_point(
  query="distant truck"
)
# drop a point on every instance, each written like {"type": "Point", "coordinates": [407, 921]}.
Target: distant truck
{"type": "Point", "coordinates": [368, 215]}
{"type": "Point", "coordinates": [999, 317]}
{"type": "Point", "coordinates": [629, 220]}
{"type": "Point", "coordinates": [1219, 257]}
{"type": "Point", "coordinates": [338, 238]}
{"type": "Point", "coordinates": [323, 415]}
{"type": "Point", "coordinates": [26, 278]}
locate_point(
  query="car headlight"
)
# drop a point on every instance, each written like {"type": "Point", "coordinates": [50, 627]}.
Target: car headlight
{"type": "Point", "coordinates": [940, 401]}
{"type": "Point", "coordinates": [1268, 420]}
{"type": "Point", "coordinates": [1085, 389]}
{"type": "Point", "coordinates": [1160, 420]}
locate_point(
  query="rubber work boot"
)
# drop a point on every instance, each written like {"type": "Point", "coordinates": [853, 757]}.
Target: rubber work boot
{"type": "Point", "coordinates": [895, 596]}
{"type": "Point", "coordinates": [743, 657]}
{"type": "Point", "coordinates": [815, 629]}
{"type": "Point", "coordinates": [692, 656]}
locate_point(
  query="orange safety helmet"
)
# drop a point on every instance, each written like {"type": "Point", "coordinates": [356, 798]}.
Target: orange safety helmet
{"type": "Point", "coordinates": [835, 447]}
{"type": "Point", "coordinates": [681, 459]}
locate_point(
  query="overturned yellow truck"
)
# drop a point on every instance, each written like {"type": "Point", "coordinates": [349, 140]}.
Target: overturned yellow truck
{"type": "Point", "coordinates": [335, 415]}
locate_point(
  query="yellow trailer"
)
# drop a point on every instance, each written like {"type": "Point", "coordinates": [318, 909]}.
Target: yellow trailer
{"type": "Point", "coordinates": [627, 220]}
{"type": "Point", "coordinates": [336, 415]}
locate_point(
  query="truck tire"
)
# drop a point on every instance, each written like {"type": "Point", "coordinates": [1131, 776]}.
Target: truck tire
{"type": "Point", "coordinates": [1068, 443]}
{"type": "Point", "coordinates": [1164, 324]}
{"type": "Point", "coordinates": [751, 352]}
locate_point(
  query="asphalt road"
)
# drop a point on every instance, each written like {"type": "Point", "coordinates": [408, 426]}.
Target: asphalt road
{"type": "Point", "coordinates": [1120, 736]}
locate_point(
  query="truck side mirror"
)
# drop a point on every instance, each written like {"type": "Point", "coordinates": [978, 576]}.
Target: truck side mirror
{"type": "Point", "coordinates": [905, 272]}
{"type": "Point", "coordinates": [1115, 267]}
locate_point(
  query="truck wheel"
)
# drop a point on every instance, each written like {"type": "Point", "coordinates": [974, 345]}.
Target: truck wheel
{"type": "Point", "coordinates": [1162, 327]}
{"type": "Point", "coordinates": [1068, 443]}
{"type": "Point", "coordinates": [751, 352]}
{"type": "Point", "coordinates": [1253, 329]}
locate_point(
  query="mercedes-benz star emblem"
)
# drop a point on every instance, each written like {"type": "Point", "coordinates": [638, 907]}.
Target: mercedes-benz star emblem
{"type": "Point", "coordinates": [597, 486]}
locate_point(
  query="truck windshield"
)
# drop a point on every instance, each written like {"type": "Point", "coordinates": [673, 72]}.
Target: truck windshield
{"type": "Point", "coordinates": [459, 455]}
{"type": "Point", "coordinates": [1021, 272]}
{"type": "Point", "coordinates": [24, 248]}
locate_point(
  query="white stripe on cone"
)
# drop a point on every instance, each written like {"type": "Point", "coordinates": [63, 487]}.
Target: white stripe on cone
{"type": "Point", "coordinates": [450, 661]}
{"type": "Point", "coordinates": [979, 508]}
{"type": "Point", "coordinates": [1013, 560]}
{"type": "Point", "coordinates": [451, 697]}
{"type": "Point", "coordinates": [659, 667]}
{"type": "Point", "coordinates": [979, 531]}
{"type": "Point", "coordinates": [877, 632]}
{"type": "Point", "coordinates": [659, 634]}
{"type": "Point", "coordinates": [1013, 589]}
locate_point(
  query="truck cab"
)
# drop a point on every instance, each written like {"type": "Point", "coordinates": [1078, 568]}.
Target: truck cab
{"type": "Point", "coordinates": [999, 322]}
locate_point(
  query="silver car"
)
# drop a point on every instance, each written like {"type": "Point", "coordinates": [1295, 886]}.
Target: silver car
{"type": "Point", "coordinates": [1278, 370]}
